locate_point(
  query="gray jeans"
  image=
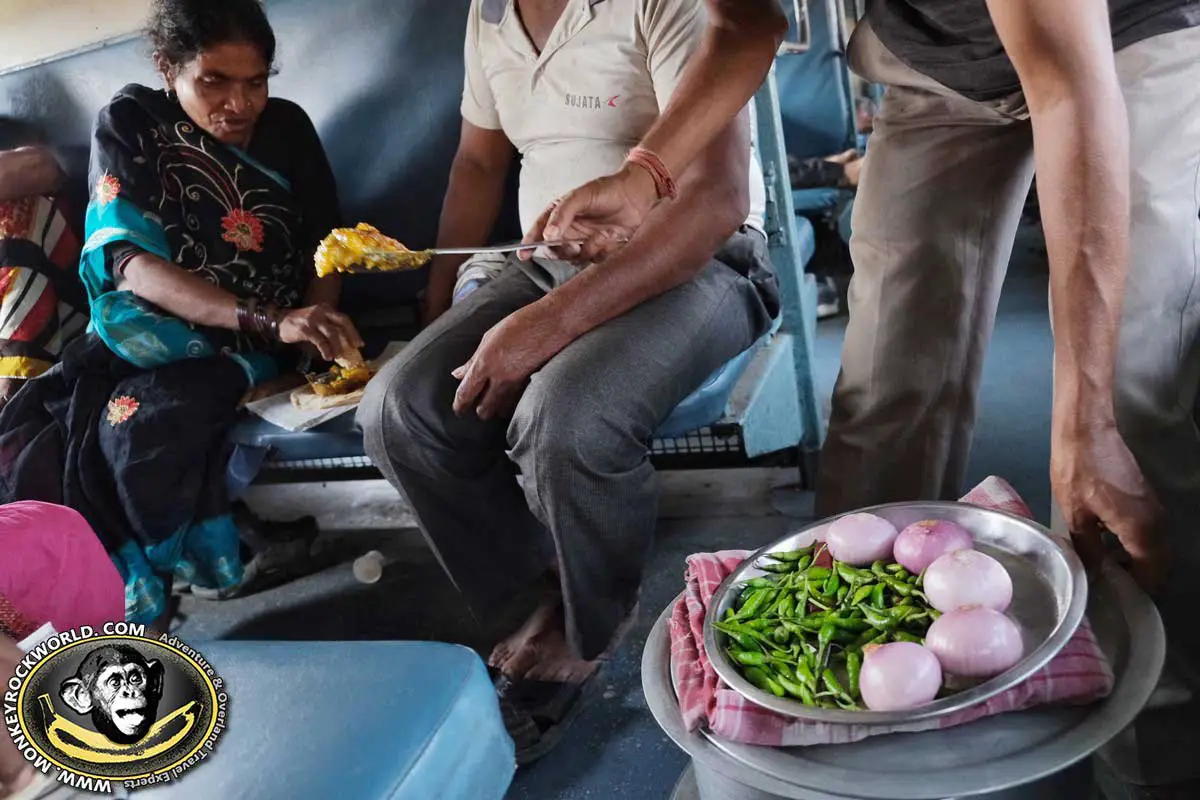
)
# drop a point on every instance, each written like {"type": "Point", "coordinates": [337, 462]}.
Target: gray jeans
{"type": "Point", "coordinates": [579, 436]}
{"type": "Point", "coordinates": [938, 205]}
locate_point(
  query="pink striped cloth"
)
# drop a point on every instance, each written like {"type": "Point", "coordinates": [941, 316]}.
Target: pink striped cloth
{"type": "Point", "coordinates": [1078, 675]}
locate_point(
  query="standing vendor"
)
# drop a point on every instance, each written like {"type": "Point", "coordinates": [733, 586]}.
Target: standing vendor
{"type": "Point", "coordinates": [981, 94]}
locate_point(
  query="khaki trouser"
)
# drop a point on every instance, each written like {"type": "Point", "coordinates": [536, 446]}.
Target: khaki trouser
{"type": "Point", "coordinates": [938, 206]}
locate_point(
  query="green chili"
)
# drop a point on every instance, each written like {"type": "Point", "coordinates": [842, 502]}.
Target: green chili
{"type": "Point", "coordinates": [787, 606]}
{"type": "Point", "coordinates": [750, 659]}
{"type": "Point", "coordinates": [744, 638]}
{"type": "Point", "coordinates": [878, 619]}
{"type": "Point", "coordinates": [782, 635]}
{"type": "Point", "coordinates": [816, 574]}
{"type": "Point", "coordinates": [831, 682]}
{"type": "Point", "coordinates": [795, 555]}
{"type": "Point", "coordinates": [807, 696]}
{"type": "Point", "coordinates": [826, 634]}
{"type": "Point", "coordinates": [898, 586]}
{"type": "Point", "coordinates": [777, 569]}
{"type": "Point", "coordinates": [842, 593]}
{"type": "Point", "coordinates": [854, 659]}
{"type": "Point", "coordinates": [894, 568]}
{"type": "Point", "coordinates": [794, 689]}
{"type": "Point", "coordinates": [877, 595]}
{"type": "Point", "coordinates": [805, 674]}
{"type": "Point", "coordinates": [832, 584]}
{"type": "Point", "coordinates": [905, 636]}
{"type": "Point", "coordinates": [760, 679]}
{"type": "Point", "coordinates": [757, 600]}
{"type": "Point", "coordinates": [760, 583]}
{"type": "Point", "coordinates": [880, 569]}
{"type": "Point", "coordinates": [861, 594]}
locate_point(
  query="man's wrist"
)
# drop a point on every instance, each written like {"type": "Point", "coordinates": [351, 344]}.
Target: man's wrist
{"type": "Point", "coordinates": [639, 187]}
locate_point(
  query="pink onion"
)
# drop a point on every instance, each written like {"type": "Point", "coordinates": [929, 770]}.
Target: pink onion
{"type": "Point", "coordinates": [975, 642]}
{"type": "Point", "coordinates": [899, 675]}
{"type": "Point", "coordinates": [968, 578]}
{"type": "Point", "coordinates": [922, 543]}
{"type": "Point", "coordinates": [861, 539]}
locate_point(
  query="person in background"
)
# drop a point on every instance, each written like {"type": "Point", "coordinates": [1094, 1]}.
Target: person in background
{"type": "Point", "coordinates": [838, 172]}
{"type": "Point", "coordinates": [42, 304]}
{"type": "Point", "coordinates": [208, 199]}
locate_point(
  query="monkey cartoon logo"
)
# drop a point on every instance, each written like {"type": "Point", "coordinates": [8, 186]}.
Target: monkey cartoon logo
{"type": "Point", "coordinates": [115, 707]}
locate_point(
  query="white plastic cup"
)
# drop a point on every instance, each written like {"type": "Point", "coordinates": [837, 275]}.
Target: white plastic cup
{"type": "Point", "coordinates": [369, 568]}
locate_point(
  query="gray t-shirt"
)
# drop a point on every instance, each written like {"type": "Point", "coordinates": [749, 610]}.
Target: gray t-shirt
{"type": "Point", "coordinates": [955, 43]}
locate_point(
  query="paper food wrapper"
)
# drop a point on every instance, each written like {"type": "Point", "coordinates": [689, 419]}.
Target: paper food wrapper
{"type": "Point", "coordinates": [279, 410]}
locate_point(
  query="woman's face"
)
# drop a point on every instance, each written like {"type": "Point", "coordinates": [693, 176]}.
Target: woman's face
{"type": "Point", "coordinates": [223, 89]}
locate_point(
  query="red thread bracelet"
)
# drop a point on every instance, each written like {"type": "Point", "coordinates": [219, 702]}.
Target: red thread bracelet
{"type": "Point", "coordinates": [664, 184]}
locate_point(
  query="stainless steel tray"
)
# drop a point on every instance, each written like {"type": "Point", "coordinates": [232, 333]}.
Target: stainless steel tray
{"type": "Point", "coordinates": [1049, 598]}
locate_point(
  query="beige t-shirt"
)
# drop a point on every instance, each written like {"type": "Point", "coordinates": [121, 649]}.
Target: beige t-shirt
{"type": "Point", "coordinates": [575, 111]}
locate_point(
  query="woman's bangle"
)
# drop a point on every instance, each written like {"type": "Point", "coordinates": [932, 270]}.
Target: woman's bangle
{"type": "Point", "coordinates": [664, 183]}
{"type": "Point", "coordinates": [247, 307]}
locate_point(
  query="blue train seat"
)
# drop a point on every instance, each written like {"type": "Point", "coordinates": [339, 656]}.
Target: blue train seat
{"type": "Point", "coordinates": [361, 720]}
{"type": "Point", "coordinates": [816, 103]}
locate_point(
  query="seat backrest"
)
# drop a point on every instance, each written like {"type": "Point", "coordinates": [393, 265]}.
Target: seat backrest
{"type": "Point", "coordinates": [380, 79]}
{"type": "Point", "coordinates": [814, 88]}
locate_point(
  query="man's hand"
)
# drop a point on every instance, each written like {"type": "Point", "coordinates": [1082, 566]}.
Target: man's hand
{"type": "Point", "coordinates": [509, 353]}
{"type": "Point", "coordinates": [1098, 485]}
{"type": "Point", "coordinates": [602, 214]}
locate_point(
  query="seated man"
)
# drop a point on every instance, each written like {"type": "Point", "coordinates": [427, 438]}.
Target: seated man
{"type": "Point", "coordinates": [40, 294]}
{"type": "Point", "coordinates": [561, 371]}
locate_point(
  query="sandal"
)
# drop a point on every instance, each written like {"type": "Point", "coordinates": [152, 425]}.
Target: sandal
{"type": "Point", "coordinates": [277, 553]}
{"type": "Point", "coordinates": [537, 713]}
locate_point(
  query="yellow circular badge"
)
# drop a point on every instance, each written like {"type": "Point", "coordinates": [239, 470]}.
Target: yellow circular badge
{"type": "Point", "coordinates": [98, 708]}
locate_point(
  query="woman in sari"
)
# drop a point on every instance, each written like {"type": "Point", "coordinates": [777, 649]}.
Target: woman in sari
{"type": "Point", "coordinates": [207, 202]}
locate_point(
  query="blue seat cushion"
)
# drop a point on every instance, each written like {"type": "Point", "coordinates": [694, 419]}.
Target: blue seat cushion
{"type": "Point", "coordinates": [806, 240]}
{"type": "Point", "coordinates": [816, 201]}
{"type": "Point", "coordinates": [361, 720]}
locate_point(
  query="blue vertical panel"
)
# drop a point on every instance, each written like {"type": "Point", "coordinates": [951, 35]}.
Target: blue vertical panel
{"type": "Point", "coordinates": [798, 290]}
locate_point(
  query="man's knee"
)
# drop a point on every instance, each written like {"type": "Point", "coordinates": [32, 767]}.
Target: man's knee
{"type": "Point", "coordinates": [557, 431]}
{"type": "Point", "coordinates": [400, 405]}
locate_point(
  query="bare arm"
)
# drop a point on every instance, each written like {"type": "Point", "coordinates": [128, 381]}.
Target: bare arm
{"type": "Point", "coordinates": [676, 242]}
{"type": "Point", "coordinates": [734, 58]}
{"type": "Point", "coordinates": [194, 299]}
{"type": "Point", "coordinates": [179, 292]}
{"type": "Point", "coordinates": [672, 246]}
{"type": "Point", "coordinates": [471, 206]}
{"type": "Point", "coordinates": [28, 171]}
{"type": "Point", "coordinates": [1063, 53]}
{"type": "Point", "coordinates": [735, 54]}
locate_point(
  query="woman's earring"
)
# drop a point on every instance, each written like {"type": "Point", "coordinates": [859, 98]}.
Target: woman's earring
{"type": "Point", "coordinates": [171, 95]}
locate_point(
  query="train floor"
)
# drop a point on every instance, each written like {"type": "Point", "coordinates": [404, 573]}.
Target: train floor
{"type": "Point", "coordinates": [413, 600]}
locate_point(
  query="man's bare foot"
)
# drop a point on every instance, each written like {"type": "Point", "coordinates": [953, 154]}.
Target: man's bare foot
{"type": "Point", "coordinates": [543, 617]}
{"type": "Point", "coordinates": [546, 656]}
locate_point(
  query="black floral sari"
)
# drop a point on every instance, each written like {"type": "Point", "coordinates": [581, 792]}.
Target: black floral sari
{"type": "Point", "coordinates": [130, 429]}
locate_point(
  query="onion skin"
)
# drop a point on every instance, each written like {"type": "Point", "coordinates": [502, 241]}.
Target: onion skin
{"type": "Point", "coordinates": [922, 543]}
{"type": "Point", "coordinates": [861, 539]}
{"type": "Point", "coordinates": [968, 578]}
{"type": "Point", "coordinates": [975, 642]}
{"type": "Point", "coordinates": [899, 676]}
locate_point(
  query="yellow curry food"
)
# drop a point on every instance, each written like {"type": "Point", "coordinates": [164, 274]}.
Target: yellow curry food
{"type": "Point", "coordinates": [365, 247]}
{"type": "Point", "coordinates": [340, 380]}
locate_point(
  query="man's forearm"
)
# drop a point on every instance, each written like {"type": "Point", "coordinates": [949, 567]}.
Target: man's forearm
{"type": "Point", "coordinates": [676, 241]}
{"type": "Point", "coordinates": [1083, 187]}
{"type": "Point", "coordinates": [730, 65]}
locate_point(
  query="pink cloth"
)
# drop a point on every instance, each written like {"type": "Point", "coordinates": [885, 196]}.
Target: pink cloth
{"type": "Point", "coordinates": [54, 569]}
{"type": "Point", "coordinates": [1079, 674]}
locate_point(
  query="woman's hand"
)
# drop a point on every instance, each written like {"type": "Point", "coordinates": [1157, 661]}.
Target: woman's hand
{"type": "Point", "coordinates": [602, 214]}
{"type": "Point", "coordinates": [332, 333]}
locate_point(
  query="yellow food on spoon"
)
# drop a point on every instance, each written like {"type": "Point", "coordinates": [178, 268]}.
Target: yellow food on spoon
{"type": "Point", "coordinates": [364, 246]}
